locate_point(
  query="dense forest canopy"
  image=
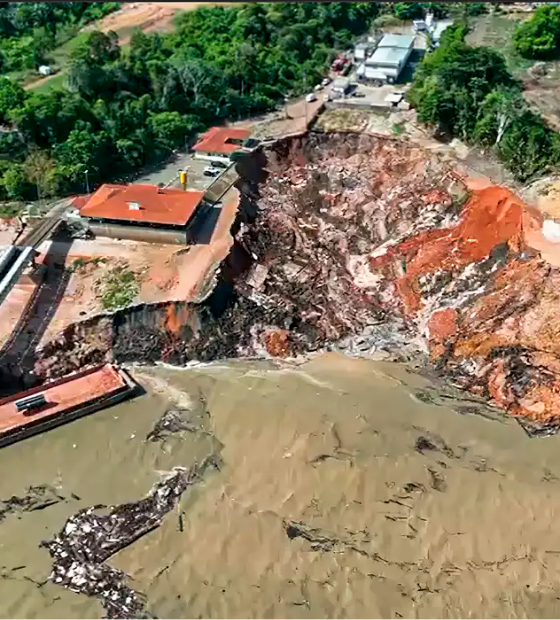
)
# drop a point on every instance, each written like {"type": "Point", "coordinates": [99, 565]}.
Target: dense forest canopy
{"type": "Point", "coordinates": [126, 108]}
{"type": "Point", "coordinates": [30, 30]}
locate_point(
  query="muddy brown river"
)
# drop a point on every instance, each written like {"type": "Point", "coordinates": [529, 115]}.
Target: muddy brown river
{"type": "Point", "coordinates": [348, 489]}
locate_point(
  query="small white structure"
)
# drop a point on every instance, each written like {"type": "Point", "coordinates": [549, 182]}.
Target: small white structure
{"type": "Point", "coordinates": [394, 98]}
{"type": "Point", "coordinates": [341, 86]}
{"type": "Point", "coordinates": [361, 51]}
{"type": "Point", "coordinates": [45, 70]}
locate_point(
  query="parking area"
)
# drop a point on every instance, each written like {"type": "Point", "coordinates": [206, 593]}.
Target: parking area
{"type": "Point", "coordinates": [169, 174]}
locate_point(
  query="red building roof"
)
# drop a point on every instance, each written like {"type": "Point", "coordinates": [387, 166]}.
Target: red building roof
{"type": "Point", "coordinates": [142, 203]}
{"type": "Point", "coordinates": [221, 140]}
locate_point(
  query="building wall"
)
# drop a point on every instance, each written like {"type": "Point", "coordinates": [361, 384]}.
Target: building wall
{"type": "Point", "coordinates": [211, 157]}
{"type": "Point", "coordinates": [391, 70]}
{"type": "Point", "coordinates": [139, 233]}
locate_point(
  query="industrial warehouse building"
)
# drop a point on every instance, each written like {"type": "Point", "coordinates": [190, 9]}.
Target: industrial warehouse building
{"type": "Point", "coordinates": [218, 143]}
{"type": "Point", "coordinates": [142, 213]}
{"type": "Point", "coordinates": [386, 64]}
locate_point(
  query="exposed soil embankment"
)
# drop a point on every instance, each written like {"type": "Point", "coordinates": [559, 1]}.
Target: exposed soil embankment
{"type": "Point", "coordinates": [372, 244]}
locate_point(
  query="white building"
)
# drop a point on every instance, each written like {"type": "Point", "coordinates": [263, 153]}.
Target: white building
{"type": "Point", "coordinates": [388, 60]}
{"type": "Point", "coordinates": [361, 51]}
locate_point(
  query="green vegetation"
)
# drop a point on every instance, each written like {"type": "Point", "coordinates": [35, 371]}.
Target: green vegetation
{"type": "Point", "coordinates": [496, 31]}
{"type": "Point", "coordinates": [31, 31]}
{"type": "Point", "coordinates": [539, 36]}
{"type": "Point", "coordinates": [123, 109]}
{"type": "Point", "coordinates": [119, 288]}
{"type": "Point", "coordinates": [468, 92]}
{"type": "Point", "coordinates": [79, 264]}
{"type": "Point", "coordinates": [418, 10]}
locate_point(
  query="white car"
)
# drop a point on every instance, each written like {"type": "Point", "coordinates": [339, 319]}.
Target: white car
{"type": "Point", "coordinates": [311, 97]}
{"type": "Point", "coordinates": [318, 88]}
{"type": "Point", "coordinates": [326, 82]}
{"type": "Point", "coordinates": [212, 171]}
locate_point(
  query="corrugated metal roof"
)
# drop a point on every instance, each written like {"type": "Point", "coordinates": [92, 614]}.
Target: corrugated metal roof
{"type": "Point", "coordinates": [401, 41]}
{"type": "Point", "coordinates": [142, 203]}
{"type": "Point", "coordinates": [387, 55]}
{"type": "Point", "coordinates": [215, 140]}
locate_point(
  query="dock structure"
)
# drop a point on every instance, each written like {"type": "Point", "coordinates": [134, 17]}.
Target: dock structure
{"type": "Point", "coordinates": [62, 400]}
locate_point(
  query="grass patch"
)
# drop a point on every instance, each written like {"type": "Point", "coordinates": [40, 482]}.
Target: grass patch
{"type": "Point", "coordinates": [56, 81]}
{"type": "Point", "coordinates": [81, 263]}
{"type": "Point", "coordinates": [496, 31]}
{"type": "Point", "coordinates": [119, 288]}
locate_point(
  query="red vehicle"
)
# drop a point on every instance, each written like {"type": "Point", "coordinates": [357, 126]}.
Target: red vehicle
{"type": "Point", "coordinates": [340, 64]}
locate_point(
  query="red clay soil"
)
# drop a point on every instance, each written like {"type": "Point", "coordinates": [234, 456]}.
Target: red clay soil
{"type": "Point", "coordinates": [510, 334]}
{"type": "Point", "coordinates": [491, 216]}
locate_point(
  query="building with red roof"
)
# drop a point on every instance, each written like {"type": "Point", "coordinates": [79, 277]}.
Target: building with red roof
{"type": "Point", "coordinates": [218, 143]}
{"type": "Point", "coordinates": [123, 211]}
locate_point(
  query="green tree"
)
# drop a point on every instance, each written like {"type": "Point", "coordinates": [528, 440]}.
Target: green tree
{"type": "Point", "coordinates": [38, 168]}
{"type": "Point", "coordinates": [409, 10]}
{"type": "Point", "coordinates": [99, 48]}
{"type": "Point", "coordinates": [539, 36]}
{"type": "Point", "coordinates": [16, 184]}
{"type": "Point", "coordinates": [12, 96]}
{"type": "Point", "coordinates": [168, 128]}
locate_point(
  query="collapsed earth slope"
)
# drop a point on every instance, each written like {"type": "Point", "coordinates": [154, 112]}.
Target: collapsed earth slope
{"type": "Point", "coordinates": [375, 245]}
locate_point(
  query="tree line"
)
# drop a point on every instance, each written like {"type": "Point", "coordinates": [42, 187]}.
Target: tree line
{"type": "Point", "coordinates": [124, 109]}
{"type": "Point", "coordinates": [468, 92]}
{"type": "Point", "coordinates": [29, 31]}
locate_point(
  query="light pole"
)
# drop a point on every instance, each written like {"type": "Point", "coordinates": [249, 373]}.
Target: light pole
{"type": "Point", "coordinates": [87, 180]}
{"type": "Point", "coordinates": [305, 90]}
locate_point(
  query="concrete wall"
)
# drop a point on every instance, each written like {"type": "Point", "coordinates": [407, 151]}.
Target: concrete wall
{"type": "Point", "coordinates": [137, 233]}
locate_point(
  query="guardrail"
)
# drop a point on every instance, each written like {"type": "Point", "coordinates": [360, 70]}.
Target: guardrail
{"type": "Point", "coordinates": [26, 255]}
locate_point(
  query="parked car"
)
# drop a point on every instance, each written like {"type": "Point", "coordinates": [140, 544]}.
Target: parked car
{"type": "Point", "coordinates": [212, 171]}
{"type": "Point", "coordinates": [311, 97]}
{"type": "Point", "coordinates": [326, 81]}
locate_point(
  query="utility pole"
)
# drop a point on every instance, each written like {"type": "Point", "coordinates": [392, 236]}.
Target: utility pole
{"type": "Point", "coordinates": [305, 100]}
{"type": "Point", "coordinates": [87, 181]}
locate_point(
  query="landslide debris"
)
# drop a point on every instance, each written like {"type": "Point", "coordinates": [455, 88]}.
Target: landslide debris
{"type": "Point", "coordinates": [36, 497]}
{"type": "Point", "coordinates": [90, 537]}
{"type": "Point", "coordinates": [375, 239]}
{"type": "Point", "coordinates": [368, 245]}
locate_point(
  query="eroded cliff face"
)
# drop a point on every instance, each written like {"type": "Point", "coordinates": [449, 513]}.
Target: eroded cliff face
{"type": "Point", "coordinates": [369, 244]}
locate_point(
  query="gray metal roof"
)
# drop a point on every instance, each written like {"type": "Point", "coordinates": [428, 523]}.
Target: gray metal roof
{"type": "Point", "coordinates": [401, 41]}
{"type": "Point", "coordinates": [388, 56]}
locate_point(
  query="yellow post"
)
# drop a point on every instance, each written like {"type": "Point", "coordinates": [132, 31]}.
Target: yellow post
{"type": "Point", "coordinates": [183, 179]}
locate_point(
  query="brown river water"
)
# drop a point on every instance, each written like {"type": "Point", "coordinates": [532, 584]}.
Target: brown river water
{"type": "Point", "coordinates": [343, 493]}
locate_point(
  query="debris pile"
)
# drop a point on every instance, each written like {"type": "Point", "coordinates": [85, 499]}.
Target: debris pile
{"type": "Point", "coordinates": [36, 497]}
{"type": "Point", "coordinates": [90, 537]}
